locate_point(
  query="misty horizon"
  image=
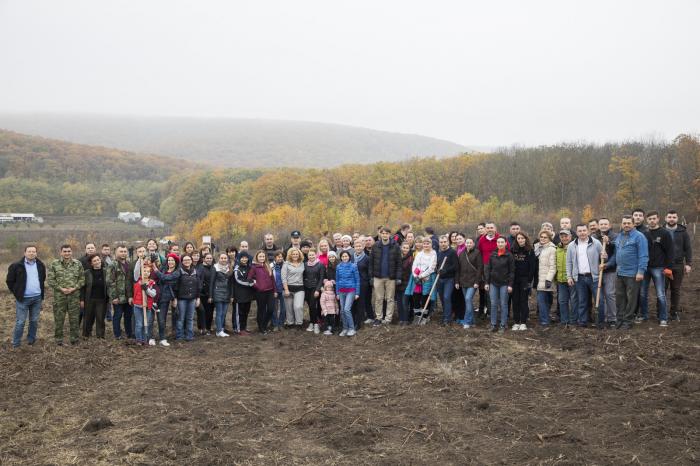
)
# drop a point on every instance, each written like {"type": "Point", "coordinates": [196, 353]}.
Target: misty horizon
{"type": "Point", "coordinates": [479, 75]}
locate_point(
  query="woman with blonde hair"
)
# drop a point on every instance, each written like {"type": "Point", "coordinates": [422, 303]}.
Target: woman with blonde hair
{"type": "Point", "coordinates": [293, 284]}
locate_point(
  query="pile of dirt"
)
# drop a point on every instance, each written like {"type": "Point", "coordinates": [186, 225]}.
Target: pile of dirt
{"type": "Point", "coordinates": [390, 395]}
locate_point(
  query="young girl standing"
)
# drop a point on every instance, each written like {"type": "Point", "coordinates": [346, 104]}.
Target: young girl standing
{"type": "Point", "coordinates": [329, 305]}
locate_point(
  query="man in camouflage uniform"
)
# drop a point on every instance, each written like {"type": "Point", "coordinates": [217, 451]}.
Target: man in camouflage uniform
{"type": "Point", "coordinates": [66, 276]}
{"type": "Point", "coordinates": [120, 285]}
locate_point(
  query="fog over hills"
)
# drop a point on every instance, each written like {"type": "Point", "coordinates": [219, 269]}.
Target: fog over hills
{"type": "Point", "coordinates": [234, 142]}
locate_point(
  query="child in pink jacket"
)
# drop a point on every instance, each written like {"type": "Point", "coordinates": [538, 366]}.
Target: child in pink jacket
{"type": "Point", "coordinates": [329, 305]}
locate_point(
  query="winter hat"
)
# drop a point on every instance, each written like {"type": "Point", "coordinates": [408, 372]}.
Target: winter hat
{"type": "Point", "coordinates": [174, 256]}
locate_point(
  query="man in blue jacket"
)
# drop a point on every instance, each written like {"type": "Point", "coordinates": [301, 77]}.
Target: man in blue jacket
{"type": "Point", "coordinates": [631, 259]}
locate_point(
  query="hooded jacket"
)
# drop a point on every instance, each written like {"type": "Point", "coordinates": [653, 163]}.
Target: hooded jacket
{"type": "Point", "coordinates": [682, 250]}
{"type": "Point", "coordinates": [525, 264]}
{"type": "Point", "coordinates": [221, 284]}
{"type": "Point", "coordinates": [660, 248]}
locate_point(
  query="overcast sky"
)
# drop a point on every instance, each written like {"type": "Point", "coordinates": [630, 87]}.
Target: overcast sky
{"type": "Point", "coordinates": [474, 72]}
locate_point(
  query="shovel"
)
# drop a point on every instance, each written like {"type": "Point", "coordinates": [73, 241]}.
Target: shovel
{"type": "Point", "coordinates": [420, 312]}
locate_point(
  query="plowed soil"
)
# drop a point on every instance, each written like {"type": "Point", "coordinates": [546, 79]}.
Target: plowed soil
{"type": "Point", "coordinates": [391, 395]}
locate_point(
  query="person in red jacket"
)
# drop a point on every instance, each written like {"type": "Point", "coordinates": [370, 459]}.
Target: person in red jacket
{"type": "Point", "coordinates": [264, 285]}
{"type": "Point", "coordinates": [487, 242]}
{"type": "Point", "coordinates": [151, 290]}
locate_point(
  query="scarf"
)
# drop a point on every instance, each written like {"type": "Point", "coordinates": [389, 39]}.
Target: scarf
{"type": "Point", "coordinates": [359, 257]}
{"type": "Point", "coordinates": [461, 248]}
{"type": "Point", "coordinates": [221, 268]}
{"type": "Point", "coordinates": [311, 264]}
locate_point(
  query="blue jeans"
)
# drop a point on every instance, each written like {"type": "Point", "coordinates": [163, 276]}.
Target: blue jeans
{"type": "Point", "coordinates": [185, 319]}
{"type": "Point", "coordinates": [445, 286]}
{"type": "Point", "coordinates": [567, 304]}
{"type": "Point", "coordinates": [28, 308]}
{"type": "Point", "coordinates": [346, 300]}
{"type": "Point", "coordinates": [119, 311]}
{"type": "Point", "coordinates": [585, 289]}
{"type": "Point", "coordinates": [468, 300]}
{"type": "Point", "coordinates": [403, 305]}
{"type": "Point", "coordinates": [657, 275]}
{"type": "Point", "coordinates": [163, 308]}
{"type": "Point", "coordinates": [544, 305]}
{"type": "Point", "coordinates": [142, 335]}
{"type": "Point", "coordinates": [499, 299]}
{"type": "Point", "coordinates": [279, 317]}
{"type": "Point", "coordinates": [221, 309]}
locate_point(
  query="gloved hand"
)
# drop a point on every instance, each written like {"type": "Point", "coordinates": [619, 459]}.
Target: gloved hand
{"type": "Point", "coordinates": [547, 284]}
{"type": "Point", "coordinates": [398, 281]}
{"type": "Point", "coordinates": [668, 273]}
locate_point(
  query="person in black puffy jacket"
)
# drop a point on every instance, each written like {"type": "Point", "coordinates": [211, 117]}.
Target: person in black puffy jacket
{"type": "Point", "coordinates": [205, 311]}
{"type": "Point", "coordinates": [188, 290]}
{"type": "Point", "coordinates": [221, 291]}
{"type": "Point", "coordinates": [243, 294]}
{"type": "Point", "coordinates": [499, 274]}
{"type": "Point", "coordinates": [525, 266]}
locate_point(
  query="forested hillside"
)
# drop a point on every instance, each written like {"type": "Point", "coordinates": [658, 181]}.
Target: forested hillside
{"type": "Point", "coordinates": [235, 142]}
{"type": "Point", "coordinates": [527, 184]}
{"type": "Point", "coordinates": [52, 177]}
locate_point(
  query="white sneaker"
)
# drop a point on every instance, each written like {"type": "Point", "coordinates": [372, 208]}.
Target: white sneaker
{"type": "Point", "coordinates": [515, 327]}
{"type": "Point", "coordinates": [351, 333]}
{"type": "Point", "coordinates": [466, 326]}
{"type": "Point", "coordinates": [310, 328]}
{"type": "Point", "coordinates": [328, 332]}
{"type": "Point", "coordinates": [343, 333]}
{"type": "Point", "coordinates": [224, 334]}
{"type": "Point", "coordinates": [151, 342]}
{"type": "Point", "coordinates": [369, 321]}
{"type": "Point", "coordinates": [164, 343]}
{"type": "Point", "coordinates": [523, 327]}
{"type": "Point", "coordinates": [220, 333]}
{"type": "Point", "coordinates": [663, 323]}
{"type": "Point", "coordinates": [317, 329]}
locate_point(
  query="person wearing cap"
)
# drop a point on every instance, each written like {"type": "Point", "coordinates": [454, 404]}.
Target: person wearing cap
{"type": "Point", "coordinates": [305, 247]}
{"type": "Point", "coordinates": [295, 241]}
{"type": "Point", "coordinates": [566, 295]}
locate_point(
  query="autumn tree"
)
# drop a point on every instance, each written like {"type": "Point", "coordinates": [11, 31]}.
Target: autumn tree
{"type": "Point", "coordinates": [629, 188]}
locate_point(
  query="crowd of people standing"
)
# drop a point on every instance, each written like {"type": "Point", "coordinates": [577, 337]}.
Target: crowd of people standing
{"type": "Point", "coordinates": [342, 283]}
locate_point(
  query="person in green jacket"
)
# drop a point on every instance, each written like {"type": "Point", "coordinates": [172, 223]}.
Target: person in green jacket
{"type": "Point", "coordinates": [66, 277]}
{"type": "Point", "coordinates": [566, 295]}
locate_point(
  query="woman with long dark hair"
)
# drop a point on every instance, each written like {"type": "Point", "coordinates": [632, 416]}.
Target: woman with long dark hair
{"type": "Point", "coordinates": [264, 285]}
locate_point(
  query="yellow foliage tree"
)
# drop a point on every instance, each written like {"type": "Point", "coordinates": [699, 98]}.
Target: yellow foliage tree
{"type": "Point", "coordinates": [439, 213]}
{"type": "Point", "coordinates": [629, 188]}
{"type": "Point", "coordinates": [464, 206]}
{"type": "Point", "coordinates": [587, 213]}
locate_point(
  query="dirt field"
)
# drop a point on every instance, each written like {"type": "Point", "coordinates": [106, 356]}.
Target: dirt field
{"type": "Point", "coordinates": [428, 395]}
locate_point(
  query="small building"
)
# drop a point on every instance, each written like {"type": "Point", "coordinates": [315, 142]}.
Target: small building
{"type": "Point", "coordinates": [129, 217]}
{"type": "Point", "coordinates": [15, 218]}
{"type": "Point", "coordinates": [152, 222]}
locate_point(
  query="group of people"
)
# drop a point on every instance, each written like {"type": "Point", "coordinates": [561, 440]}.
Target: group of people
{"type": "Point", "coordinates": [344, 282]}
